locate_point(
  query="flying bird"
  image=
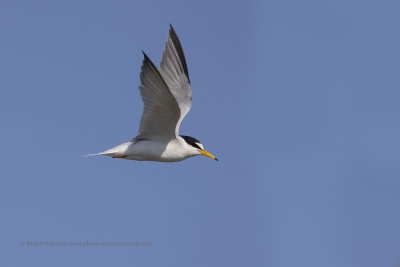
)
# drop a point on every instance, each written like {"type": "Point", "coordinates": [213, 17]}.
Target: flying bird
{"type": "Point", "coordinates": [167, 96]}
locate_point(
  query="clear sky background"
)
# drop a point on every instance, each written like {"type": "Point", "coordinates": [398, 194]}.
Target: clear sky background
{"type": "Point", "coordinates": [298, 99]}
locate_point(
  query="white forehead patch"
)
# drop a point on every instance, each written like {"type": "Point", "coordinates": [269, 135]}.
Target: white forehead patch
{"type": "Point", "coordinates": [200, 145]}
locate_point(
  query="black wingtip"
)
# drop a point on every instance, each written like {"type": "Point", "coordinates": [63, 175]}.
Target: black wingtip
{"type": "Point", "coordinates": [144, 54]}
{"type": "Point", "coordinates": [216, 159]}
{"type": "Point", "coordinates": [179, 50]}
{"type": "Point", "coordinates": [171, 29]}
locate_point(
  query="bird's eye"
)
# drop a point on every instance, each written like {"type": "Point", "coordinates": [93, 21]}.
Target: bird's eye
{"type": "Point", "coordinates": [200, 146]}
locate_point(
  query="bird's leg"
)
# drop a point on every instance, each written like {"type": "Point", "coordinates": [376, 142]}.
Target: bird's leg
{"type": "Point", "coordinates": [119, 156]}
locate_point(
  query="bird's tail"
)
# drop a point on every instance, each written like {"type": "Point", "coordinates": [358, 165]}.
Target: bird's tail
{"type": "Point", "coordinates": [112, 152]}
{"type": "Point", "coordinates": [91, 155]}
{"type": "Point", "coordinates": [104, 153]}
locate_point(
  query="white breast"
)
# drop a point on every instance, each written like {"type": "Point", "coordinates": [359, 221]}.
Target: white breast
{"type": "Point", "coordinates": [152, 150]}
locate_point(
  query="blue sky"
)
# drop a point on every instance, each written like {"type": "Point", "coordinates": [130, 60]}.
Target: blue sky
{"type": "Point", "coordinates": [298, 99]}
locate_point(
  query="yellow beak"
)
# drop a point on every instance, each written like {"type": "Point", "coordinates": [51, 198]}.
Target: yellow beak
{"type": "Point", "coordinates": [205, 153]}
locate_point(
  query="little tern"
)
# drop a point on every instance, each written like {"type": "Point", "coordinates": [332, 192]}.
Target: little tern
{"type": "Point", "coordinates": [167, 96]}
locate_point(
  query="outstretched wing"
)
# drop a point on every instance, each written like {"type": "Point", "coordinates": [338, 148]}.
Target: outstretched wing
{"type": "Point", "coordinates": [161, 112]}
{"type": "Point", "coordinates": [174, 70]}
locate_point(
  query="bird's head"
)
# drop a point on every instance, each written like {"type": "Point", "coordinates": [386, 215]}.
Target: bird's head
{"type": "Point", "coordinates": [196, 147]}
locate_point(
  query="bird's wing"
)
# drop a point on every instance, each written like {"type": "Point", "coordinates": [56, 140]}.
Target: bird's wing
{"type": "Point", "coordinates": [161, 112]}
{"type": "Point", "coordinates": [175, 73]}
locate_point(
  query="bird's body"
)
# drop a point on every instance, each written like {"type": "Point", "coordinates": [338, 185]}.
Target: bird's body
{"type": "Point", "coordinates": [167, 96]}
{"type": "Point", "coordinates": [152, 150]}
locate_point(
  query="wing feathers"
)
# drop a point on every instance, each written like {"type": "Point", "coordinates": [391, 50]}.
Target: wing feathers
{"type": "Point", "coordinates": [166, 93]}
{"type": "Point", "coordinates": [174, 69]}
{"type": "Point", "coordinates": [179, 50]}
{"type": "Point", "coordinates": [161, 111]}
